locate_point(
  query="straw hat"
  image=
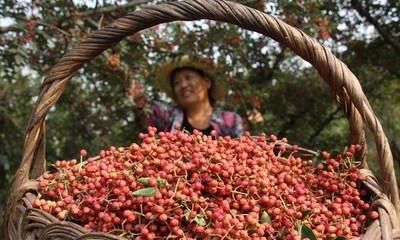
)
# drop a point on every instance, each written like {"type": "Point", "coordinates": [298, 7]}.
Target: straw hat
{"type": "Point", "coordinates": [163, 81]}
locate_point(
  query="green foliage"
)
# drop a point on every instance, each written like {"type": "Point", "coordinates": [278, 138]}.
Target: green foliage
{"type": "Point", "coordinates": [264, 76]}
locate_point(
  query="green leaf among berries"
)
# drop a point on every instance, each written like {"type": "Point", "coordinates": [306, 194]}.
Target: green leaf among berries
{"type": "Point", "coordinates": [145, 192]}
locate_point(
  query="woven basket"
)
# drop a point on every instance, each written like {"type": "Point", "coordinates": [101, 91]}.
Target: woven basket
{"type": "Point", "coordinates": [24, 222]}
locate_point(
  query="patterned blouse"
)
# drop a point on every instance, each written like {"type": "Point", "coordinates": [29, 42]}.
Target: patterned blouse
{"type": "Point", "coordinates": [166, 117]}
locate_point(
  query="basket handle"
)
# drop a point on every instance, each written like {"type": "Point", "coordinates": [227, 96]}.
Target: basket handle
{"type": "Point", "coordinates": [341, 80]}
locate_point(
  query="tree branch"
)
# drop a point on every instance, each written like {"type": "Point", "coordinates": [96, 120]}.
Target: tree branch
{"type": "Point", "coordinates": [395, 150]}
{"type": "Point", "coordinates": [107, 9]}
{"type": "Point", "coordinates": [11, 28]}
{"type": "Point", "coordinates": [364, 13]}
{"type": "Point", "coordinates": [110, 9]}
{"type": "Point", "coordinates": [279, 58]}
{"type": "Point", "coordinates": [293, 118]}
{"type": "Point", "coordinates": [321, 127]}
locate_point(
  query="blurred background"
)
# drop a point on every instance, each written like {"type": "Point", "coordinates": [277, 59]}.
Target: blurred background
{"type": "Point", "coordinates": [275, 91]}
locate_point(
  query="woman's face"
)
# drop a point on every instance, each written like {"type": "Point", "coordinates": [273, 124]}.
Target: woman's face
{"type": "Point", "coordinates": [190, 87]}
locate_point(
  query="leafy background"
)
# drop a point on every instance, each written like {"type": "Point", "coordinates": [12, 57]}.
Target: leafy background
{"type": "Point", "coordinates": [271, 88]}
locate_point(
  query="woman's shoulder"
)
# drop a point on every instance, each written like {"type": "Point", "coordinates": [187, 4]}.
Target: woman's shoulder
{"type": "Point", "coordinates": [163, 105]}
{"type": "Point", "coordinates": [225, 113]}
{"type": "Point", "coordinates": [228, 118]}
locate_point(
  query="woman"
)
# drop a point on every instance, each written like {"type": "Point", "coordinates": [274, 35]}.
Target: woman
{"type": "Point", "coordinates": [194, 86]}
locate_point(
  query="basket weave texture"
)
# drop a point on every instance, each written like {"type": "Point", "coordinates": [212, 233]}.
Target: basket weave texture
{"type": "Point", "coordinates": [24, 222]}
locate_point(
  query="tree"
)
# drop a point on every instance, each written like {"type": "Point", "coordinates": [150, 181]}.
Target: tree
{"type": "Point", "coordinates": [275, 91]}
